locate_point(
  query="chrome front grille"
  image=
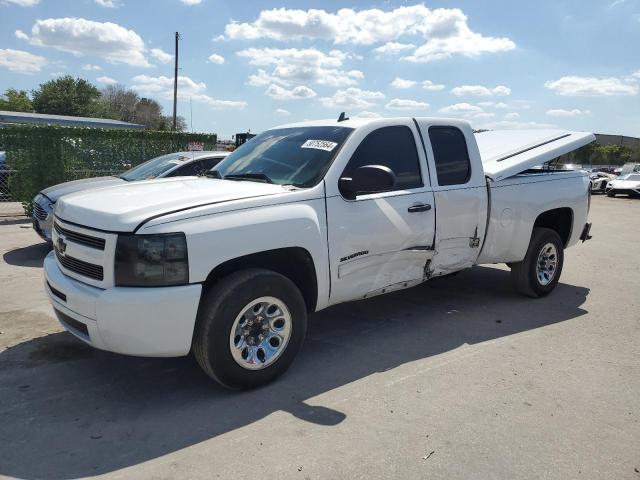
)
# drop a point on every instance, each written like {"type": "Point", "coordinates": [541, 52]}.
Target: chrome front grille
{"type": "Point", "coordinates": [84, 253]}
{"type": "Point", "coordinates": [80, 267]}
{"type": "Point", "coordinates": [82, 239]}
{"type": "Point", "coordinates": [39, 212]}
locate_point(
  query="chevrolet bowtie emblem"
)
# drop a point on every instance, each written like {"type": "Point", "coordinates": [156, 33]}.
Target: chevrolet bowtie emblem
{"type": "Point", "coordinates": [62, 246]}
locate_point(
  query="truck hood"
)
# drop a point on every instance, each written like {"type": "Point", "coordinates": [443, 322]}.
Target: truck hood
{"type": "Point", "coordinates": [506, 153]}
{"type": "Point", "coordinates": [122, 208]}
{"type": "Point", "coordinates": [55, 192]}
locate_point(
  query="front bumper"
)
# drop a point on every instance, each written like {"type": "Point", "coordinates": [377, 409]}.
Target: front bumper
{"type": "Point", "coordinates": [147, 322]}
{"type": "Point", "coordinates": [623, 191]}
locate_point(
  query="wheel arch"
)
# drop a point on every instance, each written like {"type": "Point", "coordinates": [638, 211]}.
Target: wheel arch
{"type": "Point", "coordinates": [295, 263]}
{"type": "Point", "coordinates": [558, 219]}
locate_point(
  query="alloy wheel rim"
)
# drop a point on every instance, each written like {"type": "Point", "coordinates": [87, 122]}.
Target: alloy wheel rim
{"type": "Point", "coordinates": [547, 264]}
{"type": "Point", "coordinates": [260, 333]}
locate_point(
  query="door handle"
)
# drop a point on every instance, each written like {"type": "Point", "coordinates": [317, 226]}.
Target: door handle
{"type": "Point", "coordinates": [421, 207]}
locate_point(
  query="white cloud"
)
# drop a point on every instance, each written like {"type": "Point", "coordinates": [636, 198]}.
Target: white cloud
{"type": "Point", "coordinates": [261, 78]}
{"type": "Point", "coordinates": [296, 93]}
{"type": "Point", "coordinates": [480, 91]}
{"type": "Point", "coordinates": [107, 3]}
{"type": "Point", "coordinates": [24, 3]}
{"type": "Point", "coordinates": [20, 61]}
{"type": "Point", "coordinates": [511, 116]}
{"type": "Point", "coordinates": [106, 80]}
{"type": "Point", "coordinates": [281, 111]}
{"type": "Point", "coordinates": [161, 55]}
{"type": "Point", "coordinates": [91, 68]}
{"type": "Point", "coordinates": [216, 59]}
{"type": "Point", "coordinates": [592, 87]}
{"type": "Point", "coordinates": [445, 31]}
{"type": "Point", "coordinates": [292, 67]}
{"type": "Point", "coordinates": [393, 48]}
{"type": "Point", "coordinates": [352, 98]}
{"type": "Point", "coordinates": [402, 83]}
{"type": "Point", "coordinates": [559, 112]}
{"type": "Point", "coordinates": [191, 2]}
{"type": "Point", "coordinates": [461, 109]}
{"type": "Point", "coordinates": [367, 114]}
{"type": "Point", "coordinates": [483, 115]}
{"type": "Point", "coordinates": [494, 104]}
{"type": "Point", "coordinates": [433, 87]}
{"type": "Point", "coordinates": [82, 37]}
{"type": "Point", "coordinates": [187, 88]}
{"type": "Point", "coordinates": [21, 35]}
{"type": "Point", "coordinates": [403, 104]}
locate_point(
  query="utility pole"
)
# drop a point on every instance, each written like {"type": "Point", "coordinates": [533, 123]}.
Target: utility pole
{"type": "Point", "coordinates": [175, 82]}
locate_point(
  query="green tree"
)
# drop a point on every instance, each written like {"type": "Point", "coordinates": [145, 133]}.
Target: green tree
{"type": "Point", "coordinates": [119, 103]}
{"type": "Point", "coordinates": [67, 96]}
{"type": "Point", "coordinates": [15, 101]}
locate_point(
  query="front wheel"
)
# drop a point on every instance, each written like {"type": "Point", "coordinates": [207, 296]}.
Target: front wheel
{"type": "Point", "coordinates": [250, 327]}
{"type": "Point", "coordinates": [538, 274]}
{"type": "Point", "coordinates": [611, 194]}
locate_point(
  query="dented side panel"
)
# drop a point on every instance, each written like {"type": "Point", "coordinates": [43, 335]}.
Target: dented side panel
{"type": "Point", "coordinates": [461, 223]}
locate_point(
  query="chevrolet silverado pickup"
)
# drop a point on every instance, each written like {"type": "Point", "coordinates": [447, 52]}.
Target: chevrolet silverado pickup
{"type": "Point", "coordinates": [302, 217]}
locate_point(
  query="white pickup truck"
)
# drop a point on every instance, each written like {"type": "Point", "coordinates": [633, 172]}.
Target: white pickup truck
{"type": "Point", "coordinates": [302, 217]}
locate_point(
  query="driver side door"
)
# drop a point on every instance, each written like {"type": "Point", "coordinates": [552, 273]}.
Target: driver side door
{"type": "Point", "coordinates": [380, 242]}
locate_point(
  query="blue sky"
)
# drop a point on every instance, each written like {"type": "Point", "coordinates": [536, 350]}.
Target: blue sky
{"type": "Point", "coordinates": [255, 64]}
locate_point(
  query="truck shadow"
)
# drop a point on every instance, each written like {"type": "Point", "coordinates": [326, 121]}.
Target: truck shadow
{"type": "Point", "coordinates": [31, 256]}
{"type": "Point", "coordinates": [69, 411]}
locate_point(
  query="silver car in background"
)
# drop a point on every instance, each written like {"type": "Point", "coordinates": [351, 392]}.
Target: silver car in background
{"type": "Point", "coordinates": [179, 164]}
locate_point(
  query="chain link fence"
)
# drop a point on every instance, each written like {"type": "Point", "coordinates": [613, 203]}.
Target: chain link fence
{"type": "Point", "coordinates": [5, 194]}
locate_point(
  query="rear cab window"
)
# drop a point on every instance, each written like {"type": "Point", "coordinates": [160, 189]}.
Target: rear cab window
{"type": "Point", "coordinates": [450, 155]}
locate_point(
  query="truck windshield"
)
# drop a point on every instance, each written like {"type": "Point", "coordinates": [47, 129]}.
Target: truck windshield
{"type": "Point", "coordinates": [298, 156]}
{"type": "Point", "coordinates": [156, 166]}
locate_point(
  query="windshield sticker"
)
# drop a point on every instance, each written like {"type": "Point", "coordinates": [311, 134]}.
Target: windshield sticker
{"type": "Point", "coordinates": [320, 145]}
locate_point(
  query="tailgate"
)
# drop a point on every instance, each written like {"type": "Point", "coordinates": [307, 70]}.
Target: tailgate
{"type": "Point", "coordinates": [505, 153]}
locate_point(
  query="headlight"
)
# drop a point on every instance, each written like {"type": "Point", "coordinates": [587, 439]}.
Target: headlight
{"type": "Point", "coordinates": [151, 260]}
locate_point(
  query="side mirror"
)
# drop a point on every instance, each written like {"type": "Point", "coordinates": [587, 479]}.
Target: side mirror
{"type": "Point", "coordinates": [367, 179]}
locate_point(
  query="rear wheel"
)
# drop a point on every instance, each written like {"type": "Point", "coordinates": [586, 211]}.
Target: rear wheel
{"type": "Point", "coordinates": [250, 327]}
{"type": "Point", "coordinates": [538, 274]}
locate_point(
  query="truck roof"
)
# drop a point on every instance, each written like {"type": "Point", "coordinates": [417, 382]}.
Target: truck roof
{"type": "Point", "coordinates": [355, 122]}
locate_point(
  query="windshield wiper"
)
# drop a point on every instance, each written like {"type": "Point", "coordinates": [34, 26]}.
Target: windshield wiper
{"type": "Point", "coordinates": [122, 177]}
{"type": "Point", "coordinates": [212, 174]}
{"type": "Point", "coordinates": [261, 177]}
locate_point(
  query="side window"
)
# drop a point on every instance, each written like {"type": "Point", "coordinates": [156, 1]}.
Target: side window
{"type": "Point", "coordinates": [393, 147]}
{"type": "Point", "coordinates": [209, 163]}
{"type": "Point", "coordinates": [192, 168]}
{"type": "Point", "coordinates": [450, 155]}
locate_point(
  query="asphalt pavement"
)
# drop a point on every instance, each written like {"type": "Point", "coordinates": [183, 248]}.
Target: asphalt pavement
{"type": "Point", "coordinates": [459, 378]}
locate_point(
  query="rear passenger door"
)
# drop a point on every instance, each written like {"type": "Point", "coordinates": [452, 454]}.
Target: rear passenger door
{"type": "Point", "coordinates": [379, 242]}
{"type": "Point", "coordinates": [460, 195]}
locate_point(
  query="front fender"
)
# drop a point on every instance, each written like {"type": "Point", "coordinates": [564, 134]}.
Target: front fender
{"type": "Point", "coordinates": [216, 238]}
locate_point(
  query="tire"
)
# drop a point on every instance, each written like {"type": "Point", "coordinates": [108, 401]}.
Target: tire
{"type": "Point", "coordinates": [222, 306]}
{"type": "Point", "coordinates": [524, 274]}
{"type": "Point", "coordinates": [611, 194]}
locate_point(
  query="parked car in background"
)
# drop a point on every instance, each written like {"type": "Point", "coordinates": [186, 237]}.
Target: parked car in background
{"type": "Point", "coordinates": [179, 164]}
{"type": "Point", "coordinates": [600, 180]}
{"type": "Point", "coordinates": [625, 185]}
